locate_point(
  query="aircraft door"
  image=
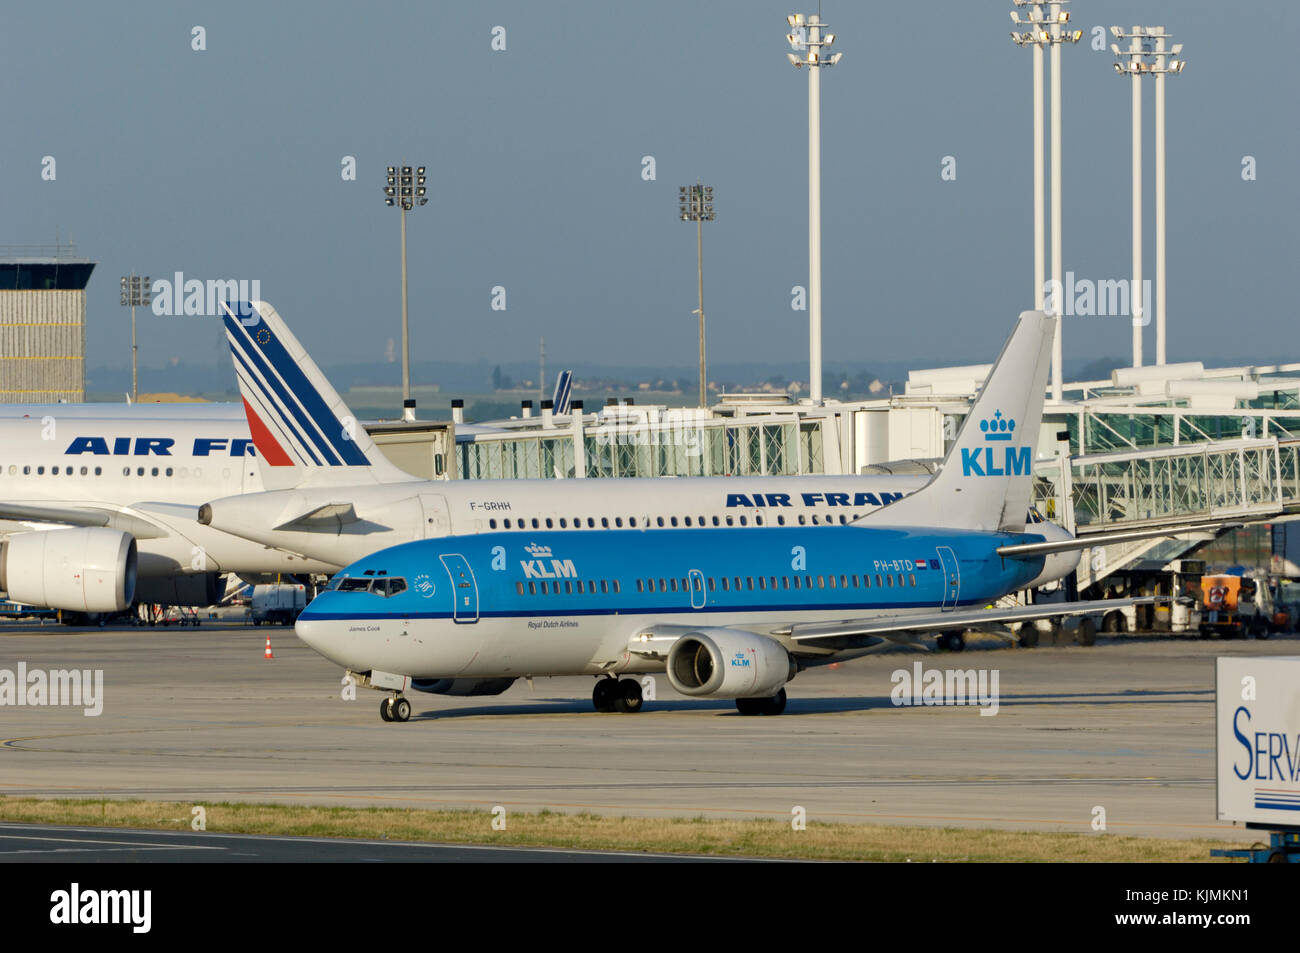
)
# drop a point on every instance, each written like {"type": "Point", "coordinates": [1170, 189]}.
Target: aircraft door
{"type": "Point", "coordinates": [464, 589]}
{"type": "Point", "coordinates": [951, 578]}
{"type": "Point", "coordinates": [437, 518]}
{"type": "Point", "coordinates": [697, 589]}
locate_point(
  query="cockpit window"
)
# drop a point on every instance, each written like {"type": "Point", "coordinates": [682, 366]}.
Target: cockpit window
{"type": "Point", "coordinates": [391, 586]}
{"type": "Point", "coordinates": [355, 584]}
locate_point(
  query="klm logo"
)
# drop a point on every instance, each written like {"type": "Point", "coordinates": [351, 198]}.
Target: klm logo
{"type": "Point", "coordinates": [984, 461]}
{"type": "Point", "coordinates": [542, 566]}
{"type": "Point", "coordinates": [740, 661]}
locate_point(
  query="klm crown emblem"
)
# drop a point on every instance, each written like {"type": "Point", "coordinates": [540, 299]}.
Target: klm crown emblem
{"type": "Point", "coordinates": [998, 427]}
{"type": "Point", "coordinates": [536, 551]}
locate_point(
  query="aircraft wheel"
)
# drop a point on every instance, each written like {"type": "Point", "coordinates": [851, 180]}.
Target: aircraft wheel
{"type": "Point", "coordinates": [386, 709]}
{"type": "Point", "coordinates": [1027, 635]}
{"type": "Point", "coordinates": [953, 641]}
{"type": "Point", "coordinates": [762, 706]}
{"type": "Point", "coordinates": [627, 696]}
{"type": "Point", "coordinates": [1087, 632]}
{"type": "Point", "coordinates": [401, 709]}
{"type": "Point", "coordinates": [603, 695]}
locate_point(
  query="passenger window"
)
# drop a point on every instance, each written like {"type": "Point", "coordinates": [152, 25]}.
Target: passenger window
{"type": "Point", "coordinates": [673, 520]}
{"type": "Point", "coordinates": [696, 584]}
{"type": "Point", "coordinates": [780, 520]}
{"type": "Point", "coordinates": [618, 521]}
{"type": "Point", "coordinates": [796, 582]}
{"type": "Point", "coordinates": [519, 587]}
{"type": "Point", "coordinates": [744, 521]}
{"type": "Point", "coordinates": [821, 582]}
{"type": "Point", "coordinates": [832, 582]}
{"type": "Point", "coordinates": [762, 582]}
{"type": "Point", "coordinates": [616, 585]}
{"type": "Point", "coordinates": [604, 522]}
{"type": "Point", "coordinates": [640, 585]}
{"type": "Point", "coordinates": [659, 521]}
{"type": "Point", "coordinates": [663, 585]}
{"type": "Point", "coordinates": [535, 524]}
{"type": "Point", "coordinates": [673, 584]}
{"type": "Point", "coordinates": [54, 471]}
{"type": "Point", "coordinates": [549, 523]}
{"type": "Point", "coordinates": [900, 580]}
{"type": "Point", "coordinates": [568, 587]}
{"type": "Point", "coordinates": [97, 470]}
{"type": "Point", "coordinates": [749, 583]}
{"type": "Point", "coordinates": [506, 523]}
{"type": "Point", "coordinates": [844, 582]}
{"type": "Point", "coordinates": [591, 522]}
{"type": "Point", "coordinates": [911, 579]}
{"type": "Point", "coordinates": [492, 524]}
{"type": "Point", "coordinates": [715, 521]}
{"type": "Point", "coordinates": [604, 586]}
{"type": "Point", "coordinates": [785, 582]}
{"type": "Point", "coordinates": [711, 584]}
{"type": "Point", "coordinates": [726, 584]}
{"type": "Point", "coordinates": [889, 582]}
{"type": "Point", "coordinates": [688, 521]}
{"type": "Point", "coordinates": [877, 580]}
{"type": "Point", "coordinates": [807, 582]}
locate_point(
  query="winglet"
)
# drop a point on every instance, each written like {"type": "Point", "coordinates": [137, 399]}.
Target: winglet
{"type": "Point", "coordinates": [986, 482]}
{"type": "Point", "coordinates": [303, 431]}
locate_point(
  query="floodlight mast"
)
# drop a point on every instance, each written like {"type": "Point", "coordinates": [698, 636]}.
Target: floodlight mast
{"type": "Point", "coordinates": [1047, 30]}
{"type": "Point", "coordinates": [405, 190]}
{"type": "Point", "coordinates": [696, 205]}
{"type": "Point", "coordinates": [809, 38]}
{"type": "Point", "coordinates": [135, 291]}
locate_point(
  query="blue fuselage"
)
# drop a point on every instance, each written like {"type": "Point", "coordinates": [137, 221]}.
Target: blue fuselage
{"type": "Point", "coordinates": [569, 602]}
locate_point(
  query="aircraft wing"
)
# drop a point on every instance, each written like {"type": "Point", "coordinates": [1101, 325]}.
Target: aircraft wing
{"type": "Point", "coordinates": [855, 636]}
{"type": "Point", "coordinates": [902, 626]}
{"type": "Point", "coordinates": [80, 516]}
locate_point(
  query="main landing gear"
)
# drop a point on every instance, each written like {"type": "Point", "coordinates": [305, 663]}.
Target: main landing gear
{"type": "Point", "coordinates": [762, 706]}
{"type": "Point", "coordinates": [396, 708]}
{"type": "Point", "coordinates": [617, 694]}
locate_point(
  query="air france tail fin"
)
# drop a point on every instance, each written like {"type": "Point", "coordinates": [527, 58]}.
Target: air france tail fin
{"type": "Point", "coordinates": [562, 399]}
{"type": "Point", "coordinates": [303, 431]}
{"type": "Point", "coordinates": [986, 482]}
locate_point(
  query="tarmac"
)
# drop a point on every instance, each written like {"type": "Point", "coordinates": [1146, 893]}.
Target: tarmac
{"type": "Point", "coordinates": [199, 716]}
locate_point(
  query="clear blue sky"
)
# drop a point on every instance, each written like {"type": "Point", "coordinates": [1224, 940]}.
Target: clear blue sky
{"type": "Point", "coordinates": [226, 163]}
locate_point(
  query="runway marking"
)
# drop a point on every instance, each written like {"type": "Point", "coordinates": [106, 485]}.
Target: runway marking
{"type": "Point", "coordinates": [123, 844]}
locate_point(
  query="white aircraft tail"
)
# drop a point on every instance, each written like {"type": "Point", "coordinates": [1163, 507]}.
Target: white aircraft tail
{"type": "Point", "coordinates": [986, 482]}
{"type": "Point", "coordinates": [303, 431]}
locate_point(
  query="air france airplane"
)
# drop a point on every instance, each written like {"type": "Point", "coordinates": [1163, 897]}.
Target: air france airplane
{"type": "Point", "coordinates": [726, 613]}
{"type": "Point", "coordinates": [332, 497]}
{"type": "Point", "coordinates": [99, 505]}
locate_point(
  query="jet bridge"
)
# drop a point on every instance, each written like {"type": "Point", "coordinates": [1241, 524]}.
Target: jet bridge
{"type": "Point", "coordinates": [1213, 481]}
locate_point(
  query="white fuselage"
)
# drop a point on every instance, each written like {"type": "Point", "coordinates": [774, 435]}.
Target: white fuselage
{"type": "Point", "coordinates": [149, 467]}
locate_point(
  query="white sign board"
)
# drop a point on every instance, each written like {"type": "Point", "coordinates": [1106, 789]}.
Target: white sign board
{"type": "Point", "coordinates": [1257, 732]}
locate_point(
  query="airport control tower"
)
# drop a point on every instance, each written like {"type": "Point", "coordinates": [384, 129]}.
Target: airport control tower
{"type": "Point", "coordinates": [43, 324]}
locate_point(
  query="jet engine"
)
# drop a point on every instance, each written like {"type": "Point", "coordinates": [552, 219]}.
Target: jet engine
{"type": "Point", "coordinates": [86, 569]}
{"type": "Point", "coordinates": [462, 686]}
{"type": "Point", "coordinates": [724, 663]}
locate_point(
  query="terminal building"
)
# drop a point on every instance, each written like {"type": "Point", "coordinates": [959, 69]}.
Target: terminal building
{"type": "Point", "coordinates": [43, 324]}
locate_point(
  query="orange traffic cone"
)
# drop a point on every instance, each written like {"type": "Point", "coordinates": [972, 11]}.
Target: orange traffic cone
{"type": "Point", "coordinates": [268, 654]}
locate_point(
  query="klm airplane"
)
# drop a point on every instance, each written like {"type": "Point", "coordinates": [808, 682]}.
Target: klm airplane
{"type": "Point", "coordinates": [723, 612]}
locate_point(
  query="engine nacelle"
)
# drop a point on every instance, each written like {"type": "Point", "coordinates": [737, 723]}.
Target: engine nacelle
{"type": "Point", "coordinates": [85, 569]}
{"type": "Point", "coordinates": [723, 663]}
{"type": "Point", "coordinates": [197, 589]}
{"type": "Point", "coordinates": [462, 686]}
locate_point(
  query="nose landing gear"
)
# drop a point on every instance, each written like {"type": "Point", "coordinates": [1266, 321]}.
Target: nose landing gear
{"type": "Point", "coordinates": [396, 708]}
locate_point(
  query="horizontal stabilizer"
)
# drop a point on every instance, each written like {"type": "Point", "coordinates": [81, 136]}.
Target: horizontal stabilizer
{"type": "Point", "coordinates": [1030, 550]}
